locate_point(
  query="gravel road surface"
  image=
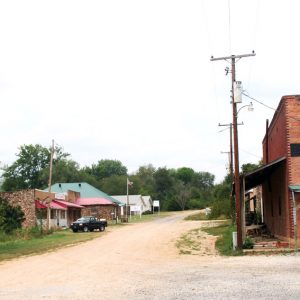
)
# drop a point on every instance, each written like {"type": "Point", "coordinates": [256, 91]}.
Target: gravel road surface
{"type": "Point", "coordinates": [141, 261]}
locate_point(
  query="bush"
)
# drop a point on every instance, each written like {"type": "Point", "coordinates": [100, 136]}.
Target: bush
{"type": "Point", "coordinates": [220, 208]}
{"type": "Point", "coordinates": [248, 244]}
{"type": "Point", "coordinates": [11, 217]}
{"type": "Point", "coordinates": [147, 212]}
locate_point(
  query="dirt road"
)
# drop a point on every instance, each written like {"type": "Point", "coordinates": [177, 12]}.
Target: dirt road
{"type": "Point", "coordinates": [140, 261]}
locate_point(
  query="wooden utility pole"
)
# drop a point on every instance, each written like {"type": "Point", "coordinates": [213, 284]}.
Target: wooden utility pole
{"type": "Point", "coordinates": [237, 183]}
{"type": "Point", "coordinates": [49, 187]}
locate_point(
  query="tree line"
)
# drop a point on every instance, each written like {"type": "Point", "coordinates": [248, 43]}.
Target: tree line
{"type": "Point", "coordinates": [177, 189]}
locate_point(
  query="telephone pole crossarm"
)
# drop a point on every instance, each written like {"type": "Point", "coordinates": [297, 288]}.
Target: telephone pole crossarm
{"type": "Point", "coordinates": [232, 56]}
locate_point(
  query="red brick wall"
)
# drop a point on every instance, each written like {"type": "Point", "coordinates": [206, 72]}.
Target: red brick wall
{"type": "Point", "coordinates": [283, 130]}
{"type": "Point", "coordinates": [99, 211]}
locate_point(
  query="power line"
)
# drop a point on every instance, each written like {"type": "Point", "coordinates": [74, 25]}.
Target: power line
{"type": "Point", "coordinates": [275, 109]}
{"type": "Point", "coordinates": [258, 101]}
{"type": "Point", "coordinates": [229, 26]}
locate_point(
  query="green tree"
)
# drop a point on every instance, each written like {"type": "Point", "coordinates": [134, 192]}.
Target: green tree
{"type": "Point", "coordinates": [64, 170]}
{"type": "Point", "coordinates": [185, 174]}
{"type": "Point", "coordinates": [11, 217]}
{"type": "Point", "coordinates": [114, 185]}
{"type": "Point", "coordinates": [25, 171]}
{"type": "Point", "coordinates": [106, 168]}
{"type": "Point", "coordinates": [182, 194]}
{"type": "Point", "coordinates": [143, 179]}
{"type": "Point", "coordinates": [28, 170]}
{"type": "Point", "coordinates": [164, 184]}
{"type": "Point", "coordinates": [250, 167]}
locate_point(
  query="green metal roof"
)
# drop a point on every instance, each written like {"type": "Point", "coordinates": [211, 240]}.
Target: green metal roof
{"type": "Point", "coordinates": [295, 188]}
{"type": "Point", "coordinates": [86, 190]}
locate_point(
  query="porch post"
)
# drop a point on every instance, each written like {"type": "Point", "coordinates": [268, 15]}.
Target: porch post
{"type": "Point", "coordinates": [295, 221]}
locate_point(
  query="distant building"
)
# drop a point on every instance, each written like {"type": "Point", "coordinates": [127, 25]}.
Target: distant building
{"type": "Point", "coordinates": [143, 202]}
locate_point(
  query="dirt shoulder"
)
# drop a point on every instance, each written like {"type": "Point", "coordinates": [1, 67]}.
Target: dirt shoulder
{"type": "Point", "coordinates": [141, 261]}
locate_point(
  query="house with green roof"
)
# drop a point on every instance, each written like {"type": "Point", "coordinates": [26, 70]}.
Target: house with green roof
{"type": "Point", "coordinates": [93, 201]}
{"type": "Point", "coordinates": [85, 189]}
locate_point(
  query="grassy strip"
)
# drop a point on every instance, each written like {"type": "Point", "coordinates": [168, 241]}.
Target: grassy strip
{"type": "Point", "coordinates": [20, 247]}
{"type": "Point", "coordinates": [224, 241]}
{"type": "Point", "coordinates": [196, 217]}
{"type": "Point", "coordinates": [150, 217]}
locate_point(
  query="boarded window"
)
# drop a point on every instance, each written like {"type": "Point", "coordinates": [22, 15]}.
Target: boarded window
{"type": "Point", "coordinates": [295, 150]}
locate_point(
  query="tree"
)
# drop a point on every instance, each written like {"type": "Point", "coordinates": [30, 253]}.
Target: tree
{"type": "Point", "coordinates": [164, 184]}
{"type": "Point", "coordinates": [183, 193]}
{"type": "Point", "coordinates": [106, 168]}
{"type": "Point", "coordinates": [64, 170]}
{"type": "Point", "coordinates": [11, 217]}
{"type": "Point", "coordinates": [185, 174]}
{"type": "Point", "coordinates": [27, 172]}
{"type": "Point", "coordinates": [250, 167]}
{"type": "Point", "coordinates": [114, 185]}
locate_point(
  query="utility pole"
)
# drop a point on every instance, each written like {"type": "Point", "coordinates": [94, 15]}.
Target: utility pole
{"type": "Point", "coordinates": [232, 60]}
{"type": "Point", "coordinates": [49, 187]}
{"type": "Point", "coordinates": [232, 204]}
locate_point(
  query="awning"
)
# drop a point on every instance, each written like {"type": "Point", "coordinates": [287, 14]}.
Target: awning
{"type": "Point", "coordinates": [39, 205]}
{"type": "Point", "coordinates": [55, 205]}
{"type": "Point", "coordinates": [295, 188]}
{"type": "Point", "coordinates": [261, 174]}
{"type": "Point", "coordinates": [67, 204]}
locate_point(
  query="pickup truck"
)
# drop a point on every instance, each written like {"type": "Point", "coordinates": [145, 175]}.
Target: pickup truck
{"type": "Point", "coordinates": [86, 224]}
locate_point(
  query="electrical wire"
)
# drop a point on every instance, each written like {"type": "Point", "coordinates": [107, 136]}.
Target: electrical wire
{"type": "Point", "coordinates": [274, 109]}
{"type": "Point", "coordinates": [229, 26]}
{"type": "Point", "coordinates": [258, 101]}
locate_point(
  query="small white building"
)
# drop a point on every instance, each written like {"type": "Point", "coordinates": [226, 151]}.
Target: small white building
{"type": "Point", "coordinates": [135, 201]}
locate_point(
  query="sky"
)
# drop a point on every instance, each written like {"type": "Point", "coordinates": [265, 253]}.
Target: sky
{"type": "Point", "coordinates": [133, 81]}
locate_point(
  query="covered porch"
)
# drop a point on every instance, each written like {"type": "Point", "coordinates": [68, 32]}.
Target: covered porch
{"type": "Point", "coordinates": [62, 213]}
{"type": "Point", "coordinates": [265, 217]}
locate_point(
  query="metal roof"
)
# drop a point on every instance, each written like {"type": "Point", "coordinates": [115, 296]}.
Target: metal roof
{"type": "Point", "coordinates": [94, 201]}
{"type": "Point", "coordinates": [295, 188]}
{"type": "Point", "coordinates": [261, 174]}
{"type": "Point", "coordinates": [86, 190]}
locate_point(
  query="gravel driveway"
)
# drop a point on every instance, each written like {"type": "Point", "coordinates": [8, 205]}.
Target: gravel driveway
{"type": "Point", "coordinates": [140, 261]}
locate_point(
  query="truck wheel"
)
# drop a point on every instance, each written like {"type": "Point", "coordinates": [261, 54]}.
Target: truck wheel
{"type": "Point", "coordinates": [85, 229]}
{"type": "Point", "coordinates": [102, 228]}
{"type": "Point", "coordinates": [75, 230]}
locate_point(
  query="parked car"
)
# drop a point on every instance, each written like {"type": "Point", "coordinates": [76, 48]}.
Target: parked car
{"type": "Point", "coordinates": [88, 223]}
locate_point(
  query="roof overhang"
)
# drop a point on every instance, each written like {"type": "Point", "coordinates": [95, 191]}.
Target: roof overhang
{"type": "Point", "coordinates": [261, 174]}
{"type": "Point", "coordinates": [295, 188]}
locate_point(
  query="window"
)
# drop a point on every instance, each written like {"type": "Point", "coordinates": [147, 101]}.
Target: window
{"type": "Point", "coordinates": [53, 213]}
{"type": "Point", "coordinates": [295, 150]}
{"type": "Point", "coordinates": [62, 214]}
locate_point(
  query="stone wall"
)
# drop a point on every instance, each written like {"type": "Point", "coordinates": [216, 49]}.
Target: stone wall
{"type": "Point", "coordinates": [99, 211]}
{"type": "Point", "coordinates": [24, 199]}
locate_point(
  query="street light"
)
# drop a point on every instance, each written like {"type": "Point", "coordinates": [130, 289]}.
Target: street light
{"type": "Point", "coordinates": [250, 108]}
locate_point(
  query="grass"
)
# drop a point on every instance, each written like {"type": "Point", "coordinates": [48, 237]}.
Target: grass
{"type": "Point", "coordinates": [20, 247]}
{"type": "Point", "coordinates": [224, 241]}
{"type": "Point", "coordinates": [196, 217]}
{"type": "Point", "coordinates": [150, 217]}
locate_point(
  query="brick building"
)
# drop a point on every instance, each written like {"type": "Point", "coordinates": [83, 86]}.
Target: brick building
{"type": "Point", "coordinates": [280, 175]}
{"type": "Point", "coordinates": [94, 201]}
